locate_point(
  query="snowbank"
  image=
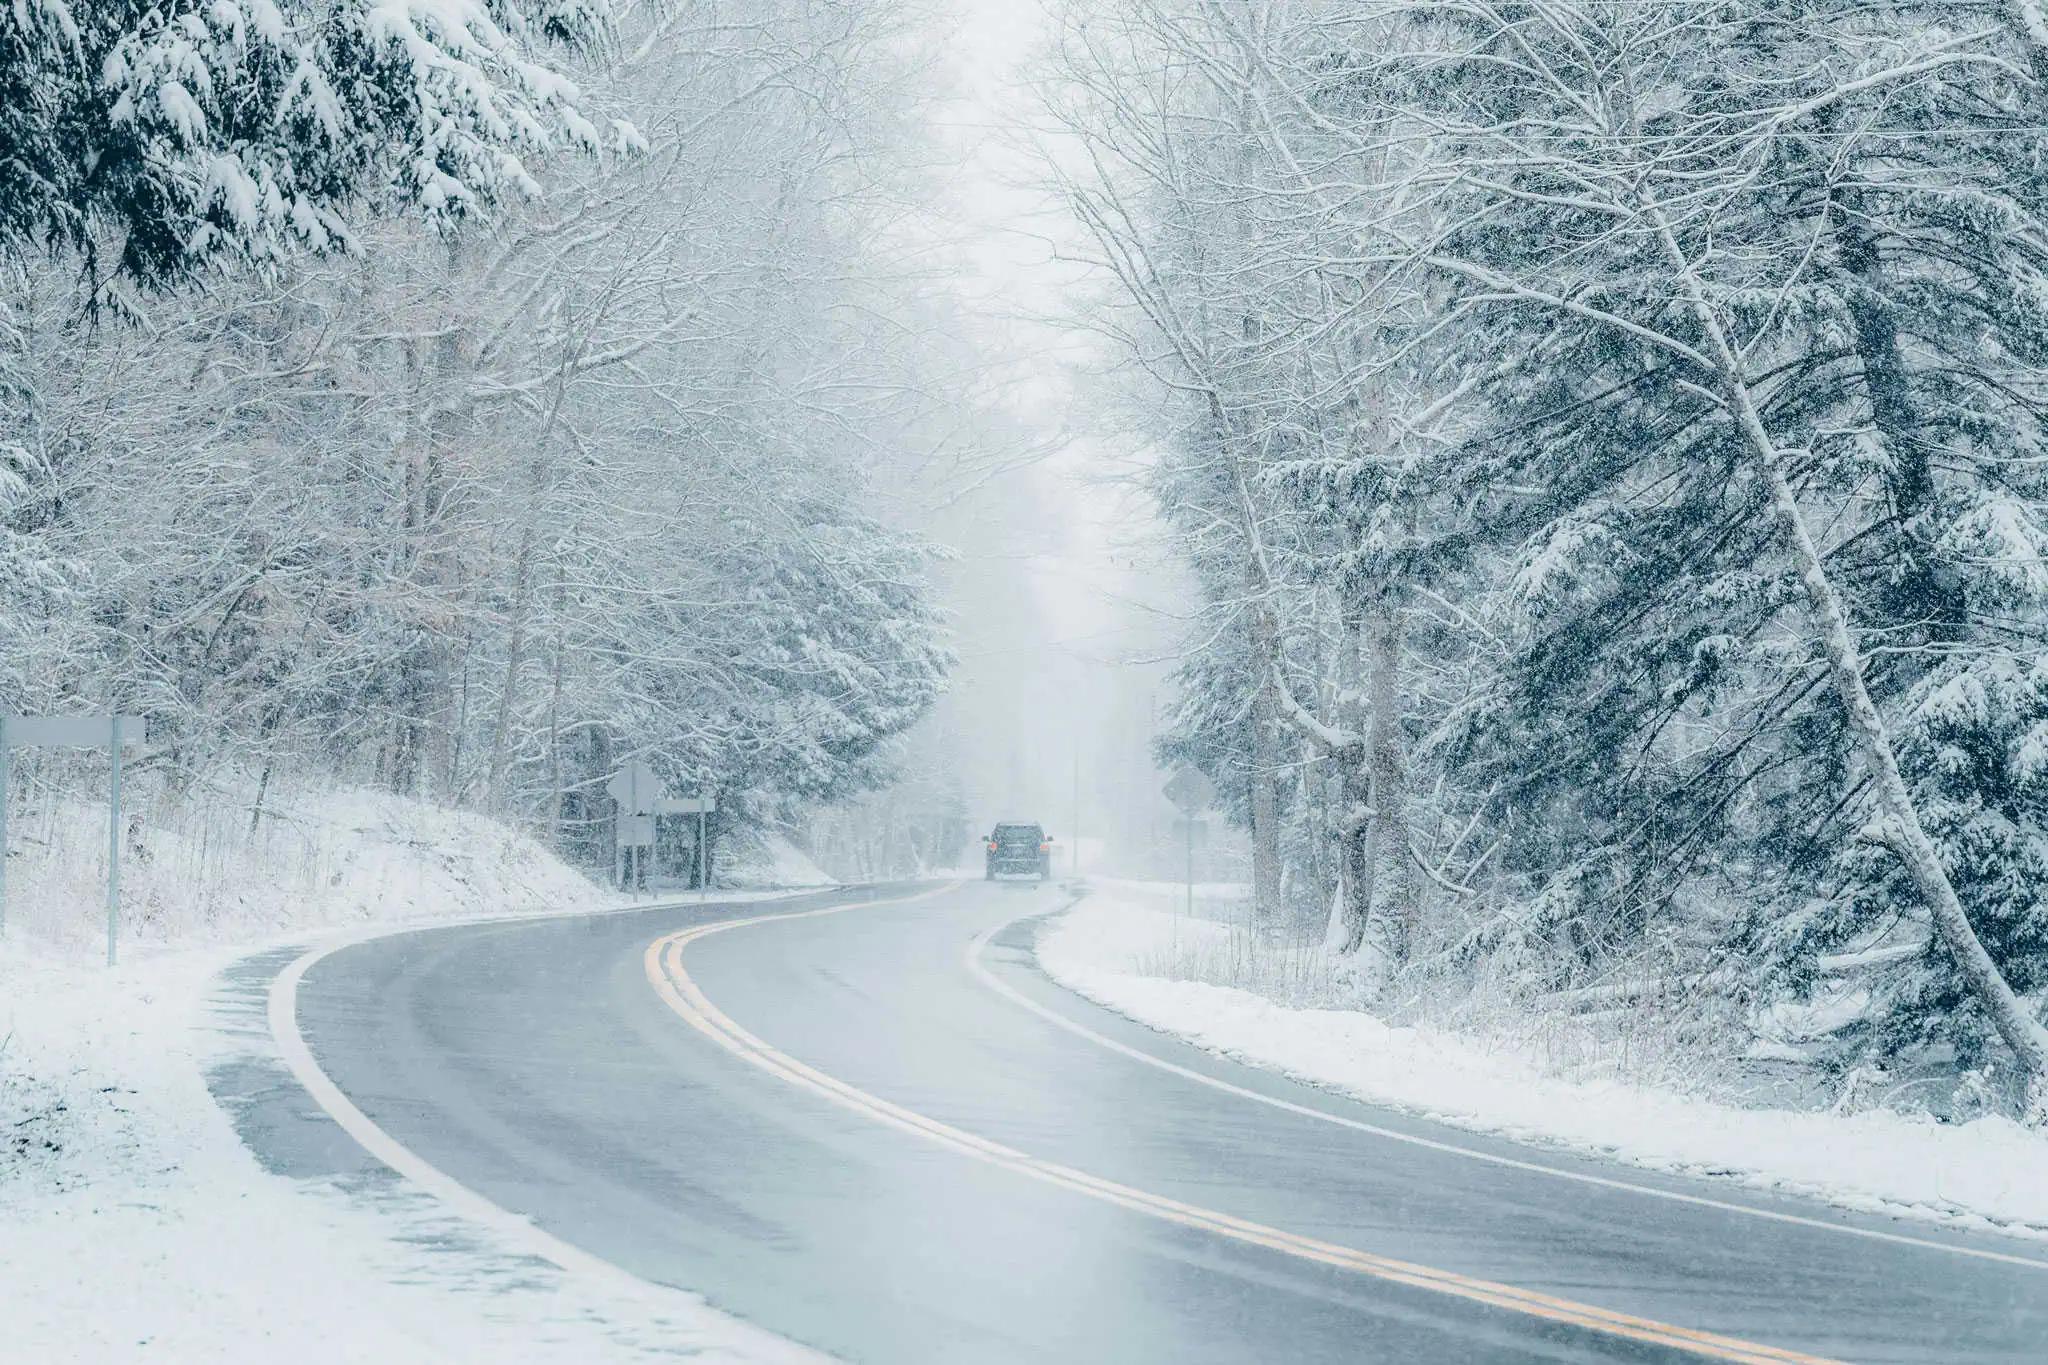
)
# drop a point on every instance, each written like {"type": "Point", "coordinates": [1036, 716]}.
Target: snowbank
{"type": "Point", "coordinates": [775, 862]}
{"type": "Point", "coordinates": [1212, 900]}
{"type": "Point", "coordinates": [134, 1223]}
{"type": "Point", "coordinates": [132, 1218]}
{"type": "Point", "coordinates": [197, 874]}
{"type": "Point", "coordinates": [1989, 1173]}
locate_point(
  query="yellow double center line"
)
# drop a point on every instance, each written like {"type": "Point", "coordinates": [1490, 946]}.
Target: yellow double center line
{"type": "Point", "coordinates": [665, 971]}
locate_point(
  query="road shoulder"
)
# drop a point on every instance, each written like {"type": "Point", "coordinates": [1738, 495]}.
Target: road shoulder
{"type": "Point", "coordinates": [1979, 1178]}
{"type": "Point", "coordinates": [173, 1187]}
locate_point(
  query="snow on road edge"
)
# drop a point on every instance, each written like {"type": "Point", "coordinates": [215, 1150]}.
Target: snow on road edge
{"type": "Point", "coordinates": [1989, 1174]}
{"type": "Point", "coordinates": [134, 1221]}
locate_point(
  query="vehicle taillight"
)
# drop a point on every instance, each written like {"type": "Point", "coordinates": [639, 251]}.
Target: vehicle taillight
{"type": "Point", "coordinates": [1045, 847]}
{"type": "Point", "coordinates": [991, 845]}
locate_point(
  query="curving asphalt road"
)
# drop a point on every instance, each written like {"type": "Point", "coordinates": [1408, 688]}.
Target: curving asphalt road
{"type": "Point", "coordinates": [882, 1132]}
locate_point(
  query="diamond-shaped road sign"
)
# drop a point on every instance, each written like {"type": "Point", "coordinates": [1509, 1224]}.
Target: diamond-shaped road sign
{"type": "Point", "coordinates": [635, 788]}
{"type": "Point", "coordinates": [1189, 790]}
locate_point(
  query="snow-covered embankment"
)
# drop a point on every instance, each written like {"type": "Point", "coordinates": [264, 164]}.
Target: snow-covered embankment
{"type": "Point", "coordinates": [133, 1221]}
{"type": "Point", "coordinates": [1986, 1173]}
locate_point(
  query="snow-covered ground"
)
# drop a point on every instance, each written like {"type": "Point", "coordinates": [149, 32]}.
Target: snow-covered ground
{"type": "Point", "coordinates": [197, 874]}
{"type": "Point", "coordinates": [1210, 900]}
{"type": "Point", "coordinates": [133, 1221]}
{"type": "Point", "coordinates": [1986, 1173]}
{"type": "Point", "coordinates": [775, 862]}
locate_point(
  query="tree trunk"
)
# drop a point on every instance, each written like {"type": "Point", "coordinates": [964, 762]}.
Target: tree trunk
{"type": "Point", "coordinates": [1365, 939]}
{"type": "Point", "coordinates": [271, 717]}
{"type": "Point", "coordinates": [515, 658]}
{"type": "Point", "coordinates": [1393, 911]}
{"type": "Point", "coordinates": [402, 754]}
{"type": "Point", "coordinates": [1917, 593]}
{"type": "Point", "coordinates": [427, 747]}
{"type": "Point", "coordinates": [555, 793]}
{"type": "Point", "coordinates": [1265, 770]}
{"type": "Point", "coordinates": [1356, 867]}
{"type": "Point", "coordinates": [1901, 830]}
{"type": "Point", "coordinates": [455, 707]}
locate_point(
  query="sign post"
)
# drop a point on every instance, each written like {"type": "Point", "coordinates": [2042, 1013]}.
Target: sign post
{"type": "Point", "coordinates": [636, 790]}
{"type": "Point", "coordinates": [1193, 793]}
{"type": "Point", "coordinates": [113, 835]}
{"type": "Point", "coordinates": [701, 807]}
{"type": "Point", "coordinates": [641, 801]}
{"type": "Point", "coordinates": [75, 732]}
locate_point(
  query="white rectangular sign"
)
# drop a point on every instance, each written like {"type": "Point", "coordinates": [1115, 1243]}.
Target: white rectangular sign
{"type": "Point", "coordinates": [80, 732]}
{"type": "Point", "coordinates": [77, 732]}
{"type": "Point", "coordinates": [636, 831]}
{"type": "Point", "coordinates": [685, 805]}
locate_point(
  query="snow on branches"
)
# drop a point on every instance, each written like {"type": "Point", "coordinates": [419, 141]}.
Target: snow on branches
{"type": "Point", "coordinates": [159, 139]}
{"type": "Point", "coordinates": [1663, 380]}
{"type": "Point", "coordinates": [469, 516]}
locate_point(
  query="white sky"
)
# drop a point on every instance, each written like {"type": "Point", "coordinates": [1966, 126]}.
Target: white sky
{"type": "Point", "coordinates": [1044, 591]}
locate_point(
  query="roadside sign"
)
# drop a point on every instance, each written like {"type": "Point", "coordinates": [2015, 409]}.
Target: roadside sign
{"type": "Point", "coordinates": [635, 788]}
{"type": "Point", "coordinates": [74, 732]}
{"type": "Point", "coordinates": [701, 807]}
{"type": "Point", "coordinates": [1193, 793]}
{"type": "Point", "coordinates": [640, 798]}
{"type": "Point", "coordinates": [1190, 790]}
{"type": "Point", "coordinates": [685, 805]}
{"type": "Point", "coordinates": [111, 732]}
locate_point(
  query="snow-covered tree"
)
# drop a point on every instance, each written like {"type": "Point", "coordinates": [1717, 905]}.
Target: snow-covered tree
{"type": "Point", "coordinates": [155, 139]}
{"type": "Point", "coordinates": [476, 516]}
{"type": "Point", "coordinates": [1674, 369]}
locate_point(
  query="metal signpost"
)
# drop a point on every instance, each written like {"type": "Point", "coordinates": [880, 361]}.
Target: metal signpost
{"type": "Point", "coordinates": [1192, 793]}
{"type": "Point", "coordinates": [699, 806]}
{"type": "Point", "coordinates": [75, 732]}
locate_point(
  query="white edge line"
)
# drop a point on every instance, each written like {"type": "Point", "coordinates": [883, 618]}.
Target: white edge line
{"type": "Point", "coordinates": [981, 972]}
{"type": "Point", "coordinates": [458, 1198]}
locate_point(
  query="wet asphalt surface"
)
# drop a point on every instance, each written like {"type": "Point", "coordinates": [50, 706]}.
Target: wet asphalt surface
{"type": "Point", "coordinates": [533, 1062]}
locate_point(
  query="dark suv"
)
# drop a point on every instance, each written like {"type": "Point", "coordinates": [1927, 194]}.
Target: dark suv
{"type": "Point", "coordinates": [1019, 848]}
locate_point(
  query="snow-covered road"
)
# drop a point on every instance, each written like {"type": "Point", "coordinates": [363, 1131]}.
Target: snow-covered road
{"type": "Point", "coordinates": [882, 1132]}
